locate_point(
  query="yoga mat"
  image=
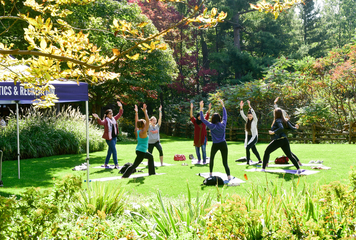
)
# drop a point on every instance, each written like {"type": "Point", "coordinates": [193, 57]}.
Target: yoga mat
{"type": "Point", "coordinates": [286, 165]}
{"type": "Point", "coordinates": [233, 182]}
{"type": "Point", "coordinates": [119, 177]}
{"type": "Point", "coordinates": [251, 164]}
{"type": "Point", "coordinates": [306, 172]}
{"type": "Point", "coordinates": [112, 167]}
{"type": "Point", "coordinates": [158, 164]}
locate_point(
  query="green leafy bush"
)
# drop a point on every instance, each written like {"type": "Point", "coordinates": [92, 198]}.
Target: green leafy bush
{"type": "Point", "coordinates": [46, 133]}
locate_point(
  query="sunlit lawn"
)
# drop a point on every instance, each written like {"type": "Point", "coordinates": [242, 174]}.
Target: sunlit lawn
{"type": "Point", "coordinates": [42, 172]}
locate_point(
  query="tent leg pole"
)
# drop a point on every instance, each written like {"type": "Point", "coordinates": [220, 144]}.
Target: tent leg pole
{"type": "Point", "coordinates": [18, 138]}
{"type": "Point", "coordinates": [87, 126]}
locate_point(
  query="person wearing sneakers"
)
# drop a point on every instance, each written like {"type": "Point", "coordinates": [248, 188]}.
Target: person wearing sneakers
{"type": "Point", "coordinates": [141, 127]}
{"type": "Point", "coordinates": [279, 139]}
{"type": "Point", "coordinates": [217, 127]}
{"type": "Point", "coordinates": [251, 132]}
{"type": "Point", "coordinates": [286, 117]}
{"type": "Point", "coordinates": [111, 131]}
{"type": "Point", "coordinates": [153, 135]}
{"type": "Point", "coordinates": [200, 134]}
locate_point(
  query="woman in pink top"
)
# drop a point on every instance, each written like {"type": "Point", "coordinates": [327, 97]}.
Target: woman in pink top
{"type": "Point", "coordinates": [111, 131]}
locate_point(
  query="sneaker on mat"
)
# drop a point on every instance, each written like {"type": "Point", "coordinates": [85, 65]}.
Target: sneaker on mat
{"type": "Point", "coordinates": [198, 161]}
{"type": "Point", "coordinates": [259, 162]}
{"type": "Point", "coordinates": [263, 170]}
{"type": "Point", "coordinates": [226, 181]}
{"type": "Point", "coordinates": [299, 171]}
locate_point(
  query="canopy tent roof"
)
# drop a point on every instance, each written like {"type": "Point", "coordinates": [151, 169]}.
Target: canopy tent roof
{"type": "Point", "coordinates": [66, 91]}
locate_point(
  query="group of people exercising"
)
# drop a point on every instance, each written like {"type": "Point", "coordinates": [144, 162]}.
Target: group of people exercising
{"type": "Point", "coordinates": [147, 134]}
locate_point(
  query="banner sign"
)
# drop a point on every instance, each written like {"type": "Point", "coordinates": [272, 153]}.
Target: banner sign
{"type": "Point", "coordinates": [66, 91]}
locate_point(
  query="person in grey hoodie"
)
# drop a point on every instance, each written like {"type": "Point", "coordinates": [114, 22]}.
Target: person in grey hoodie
{"type": "Point", "coordinates": [217, 128]}
{"type": "Point", "coordinates": [153, 135]}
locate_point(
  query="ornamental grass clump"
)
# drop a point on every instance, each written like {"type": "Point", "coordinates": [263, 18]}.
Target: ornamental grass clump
{"type": "Point", "coordinates": [48, 133]}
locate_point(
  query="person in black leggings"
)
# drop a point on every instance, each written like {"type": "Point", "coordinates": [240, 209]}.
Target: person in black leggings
{"type": "Point", "coordinates": [217, 128]}
{"type": "Point", "coordinates": [279, 139]}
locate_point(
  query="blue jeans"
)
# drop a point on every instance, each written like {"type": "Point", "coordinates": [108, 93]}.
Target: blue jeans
{"type": "Point", "coordinates": [111, 150]}
{"type": "Point", "coordinates": [203, 149]}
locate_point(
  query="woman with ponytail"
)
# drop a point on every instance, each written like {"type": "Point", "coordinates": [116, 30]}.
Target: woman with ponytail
{"type": "Point", "coordinates": [251, 132]}
{"type": "Point", "coordinates": [111, 130]}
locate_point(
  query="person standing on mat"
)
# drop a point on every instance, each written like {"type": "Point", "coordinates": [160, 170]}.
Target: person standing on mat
{"type": "Point", "coordinates": [200, 134]}
{"type": "Point", "coordinates": [217, 128]}
{"type": "Point", "coordinates": [251, 132]}
{"type": "Point", "coordinates": [286, 117]}
{"type": "Point", "coordinates": [153, 135]}
{"type": "Point", "coordinates": [279, 139]}
{"type": "Point", "coordinates": [111, 131]}
{"type": "Point", "coordinates": [141, 127]}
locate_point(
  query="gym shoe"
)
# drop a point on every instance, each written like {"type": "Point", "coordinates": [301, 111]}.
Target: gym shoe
{"type": "Point", "coordinates": [204, 162]}
{"type": "Point", "coordinates": [259, 162]}
{"type": "Point", "coordinates": [198, 161]}
{"type": "Point", "coordinates": [226, 181]}
{"type": "Point", "coordinates": [117, 166]}
{"type": "Point", "coordinates": [312, 161]}
{"type": "Point", "coordinates": [319, 161]}
{"type": "Point", "coordinates": [300, 164]}
{"type": "Point", "coordinates": [299, 171]}
{"type": "Point", "coordinates": [263, 170]}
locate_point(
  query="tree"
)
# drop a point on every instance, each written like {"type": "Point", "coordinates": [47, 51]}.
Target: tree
{"type": "Point", "coordinates": [55, 49]}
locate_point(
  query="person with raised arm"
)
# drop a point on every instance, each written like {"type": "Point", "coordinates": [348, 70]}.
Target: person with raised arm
{"type": "Point", "coordinates": [279, 139]}
{"type": "Point", "coordinates": [217, 127]}
{"type": "Point", "coordinates": [251, 132]}
{"type": "Point", "coordinates": [111, 131]}
{"type": "Point", "coordinates": [200, 134]}
{"type": "Point", "coordinates": [153, 135]}
{"type": "Point", "coordinates": [141, 128]}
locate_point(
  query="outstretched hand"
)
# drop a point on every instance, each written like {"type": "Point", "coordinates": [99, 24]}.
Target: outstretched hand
{"type": "Point", "coordinates": [160, 107]}
{"type": "Point", "coordinates": [136, 108]}
{"type": "Point", "coordinates": [144, 108]}
{"type": "Point", "coordinates": [191, 105]}
{"type": "Point", "coordinates": [221, 102]}
{"type": "Point", "coordinates": [241, 104]}
{"type": "Point", "coordinates": [276, 100]}
{"type": "Point", "coordinates": [201, 105]}
{"type": "Point", "coordinates": [119, 104]}
{"type": "Point", "coordinates": [297, 126]}
{"type": "Point", "coordinates": [209, 107]}
{"type": "Point", "coordinates": [249, 103]}
{"type": "Point", "coordinates": [95, 115]}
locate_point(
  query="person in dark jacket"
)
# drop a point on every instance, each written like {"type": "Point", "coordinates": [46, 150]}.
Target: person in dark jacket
{"type": "Point", "coordinates": [279, 139]}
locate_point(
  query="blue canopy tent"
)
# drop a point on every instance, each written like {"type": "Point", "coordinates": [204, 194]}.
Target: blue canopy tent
{"type": "Point", "coordinates": [66, 91]}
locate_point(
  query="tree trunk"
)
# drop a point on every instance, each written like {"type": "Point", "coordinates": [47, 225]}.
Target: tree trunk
{"type": "Point", "coordinates": [237, 28]}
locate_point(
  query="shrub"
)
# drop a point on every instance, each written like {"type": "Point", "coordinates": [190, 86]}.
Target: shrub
{"type": "Point", "coordinates": [46, 133]}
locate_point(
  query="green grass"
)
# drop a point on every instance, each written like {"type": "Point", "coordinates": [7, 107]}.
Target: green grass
{"type": "Point", "coordinates": [41, 172]}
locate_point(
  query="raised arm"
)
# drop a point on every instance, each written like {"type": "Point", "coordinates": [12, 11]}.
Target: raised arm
{"type": "Point", "coordinates": [252, 111]}
{"type": "Point", "coordinates": [242, 111]}
{"type": "Point", "coordinates": [136, 119]}
{"type": "Point", "coordinates": [224, 113]}
{"type": "Point", "coordinates": [191, 110]}
{"type": "Point", "coordinates": [208, 124]}
{"type": "Point", "coordinates": [120, 112]}
{"type": "Point", "coordinates": [208, 112]}
{"type": "Point", "coordinates": [144, 109]}
{"type": "Point", "coordinates": [160, 116]}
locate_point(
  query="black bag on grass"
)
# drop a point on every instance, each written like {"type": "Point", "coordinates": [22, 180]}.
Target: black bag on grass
{"type": "Point", "coordinates": [212, 181]}
{"type": "Point", "coordinates": [126, 166]}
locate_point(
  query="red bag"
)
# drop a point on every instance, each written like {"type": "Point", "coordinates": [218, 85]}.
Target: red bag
{"type": "Point", "coordinates": [281, 160]}
{"type": "Point", "coordinates": [179, 157]}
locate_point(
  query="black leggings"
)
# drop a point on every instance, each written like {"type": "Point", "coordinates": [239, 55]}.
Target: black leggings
{"type": "Point", "coordinates": [223, 149]}
{"type": "Point", "coordinates": [157, 145]}
{"type": "Point", "coordinates": [252, 146]}
{"type": "Point", "coordinates": [273, 146]}
{"type": "Point", "coordinates": [139, 158]}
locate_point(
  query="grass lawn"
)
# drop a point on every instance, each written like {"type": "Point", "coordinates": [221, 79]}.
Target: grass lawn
{"type": "Point", "coordinates": [41, 172]}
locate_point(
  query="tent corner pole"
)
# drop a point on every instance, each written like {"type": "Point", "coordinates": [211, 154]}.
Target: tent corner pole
{"type": "Point", "coordinates": [18, 138]}
{"type": "Point", "coordinates": [87, 130]}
